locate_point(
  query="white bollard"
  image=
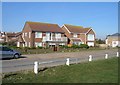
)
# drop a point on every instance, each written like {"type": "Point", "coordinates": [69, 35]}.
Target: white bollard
{"type": "Point", "coordinates": [106, 56]}
{"type": "Point", "coordinates": [117, 54]}
{"type": "Point", "coordinates": [90, 57]}
{"type": "Point", "coordinates": [68, 61]}
{"type": "Point", "coordinates": [36, 67]}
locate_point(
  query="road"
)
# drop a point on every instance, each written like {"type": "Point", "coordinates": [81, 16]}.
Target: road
{"type": "Point", "coordinates": [54, 59]}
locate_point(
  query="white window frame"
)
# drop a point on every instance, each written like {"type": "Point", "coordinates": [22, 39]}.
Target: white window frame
{"type": "Point", "coordinates": [38, 34]}
{"type": "Point", "coordinates": [26, 34]}
{"type": "Point", "coordinates": [38, 44]}
{"type": "Point", "coordinates": [89, 43]}
{"type": "Point", "coordinates": [23, 34]}
{"type": "Point", "coordinates": [58, 35]}
{"type": "Point", "coordinates": [25, 44]}
{"type": "Point", "coordinates": [90, 37]}
{"type": "Point", "coordinates": [75, 35]}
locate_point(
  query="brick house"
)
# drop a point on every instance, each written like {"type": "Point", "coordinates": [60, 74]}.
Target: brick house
{"type": "Point", "coordinates": [9, 37]}
{"type": "Point", "coordinates": [79, 35]}
{"type": "Point", "coordinates": [113, 40]}
{"type": "Point", "coordinates": [36, 34]}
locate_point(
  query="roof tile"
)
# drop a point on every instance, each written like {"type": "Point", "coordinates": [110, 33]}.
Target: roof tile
{"type": "Point", "coordinates": [76, 29]}
{"type": "Point", "coordinates": [44, 27]}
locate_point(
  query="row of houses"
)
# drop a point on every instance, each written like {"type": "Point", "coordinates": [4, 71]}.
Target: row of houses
{"type": "Point", "coordinates": [36, 34]}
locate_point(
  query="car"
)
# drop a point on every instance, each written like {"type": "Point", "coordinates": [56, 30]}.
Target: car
{"type": "Point", "coordinates": [6, 52]}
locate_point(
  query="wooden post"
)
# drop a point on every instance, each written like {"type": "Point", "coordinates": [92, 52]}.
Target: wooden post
{"type": "Point", "coordinates": [67, 61]}
{"type": "Point", "coordinates": [106, 56]}
{"type": "Point", "coordinates": [36, 67]}
{"type": "Point", "coordinates": [117, 54]}
{"type": "Point", "coordinates": [90, 57]}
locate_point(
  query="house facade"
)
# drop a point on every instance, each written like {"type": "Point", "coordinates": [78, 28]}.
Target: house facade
{"type": "Point", "coordinates": [79, 35]}
{"type": "Point", "coordinates": [36, 34]}
{"type": "Point", "coordinates": [113, 40]}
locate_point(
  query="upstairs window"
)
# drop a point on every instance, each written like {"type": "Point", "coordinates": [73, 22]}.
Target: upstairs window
{"type": "Point", "coordinates": [90, 37]}
{"type": "Point", "coordinates": [38, 34]}
{"type": "Point", "coordinates": [26, 34]}
{"type": "Point", "coordinates": [58, 35]}
{"type": "Point", "coordinates": [75, 35]}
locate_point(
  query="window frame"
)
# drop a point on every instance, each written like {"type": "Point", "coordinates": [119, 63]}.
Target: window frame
{"type": "Point", "coordinates": [38, 34]}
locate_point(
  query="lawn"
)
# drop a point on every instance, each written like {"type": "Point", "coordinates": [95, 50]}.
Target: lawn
{"type": "Point", "coordinates": [99, 71]}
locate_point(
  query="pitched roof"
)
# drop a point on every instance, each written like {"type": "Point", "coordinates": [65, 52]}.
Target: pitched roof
{"type": "Point", "coordinates": [76, 29]}
{"type": "Point", "coordinates": [13, 34]}
{"type": "Point", "coordinates": [44, 27]}
{"type": "Point", "coordinates": [116, 34]}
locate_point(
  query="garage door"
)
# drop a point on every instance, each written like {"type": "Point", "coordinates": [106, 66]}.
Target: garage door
{"type": "Point", "coordinates": [90, 43]}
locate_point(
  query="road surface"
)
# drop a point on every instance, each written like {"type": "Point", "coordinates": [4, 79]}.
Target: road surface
{"type": "Point", "coordinates": [52, 59]}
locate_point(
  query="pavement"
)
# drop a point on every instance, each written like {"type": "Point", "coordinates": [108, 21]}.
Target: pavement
{"type": "Point", "coordinates": [53, 59]}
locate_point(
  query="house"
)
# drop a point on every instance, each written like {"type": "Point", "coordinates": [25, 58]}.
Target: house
{"type": "Point", "coordinates": [79, 35]}
{"type": "Point", "coordinates": [2, 37]}
{"type": "Point", "coordinates": [113, 40]}
{"type": "Point", "coordinates": [36, 34]}
{"type": "Point", "coordinates": [9, 36]}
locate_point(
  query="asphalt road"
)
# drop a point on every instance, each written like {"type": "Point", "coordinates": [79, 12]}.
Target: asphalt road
{"type": "Point", "coordinates": [53, 59]}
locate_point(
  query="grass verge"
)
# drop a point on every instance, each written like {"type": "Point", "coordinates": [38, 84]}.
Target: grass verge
{"type": "Point", "coordinates": [100, 71]}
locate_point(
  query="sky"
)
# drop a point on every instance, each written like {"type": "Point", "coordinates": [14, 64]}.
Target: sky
{"type": "Point", "coordinates": [101, 16]}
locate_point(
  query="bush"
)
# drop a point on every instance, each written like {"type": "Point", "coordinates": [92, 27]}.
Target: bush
{"type": "Point", "coordinates": [65, 46]}
{"type": "Point", "coordinates": [39, 47]}
{"type": "Point", "coordinates": [33, 48]}
{"type": "Point", "coordinates": [75, 46]}
{"type": "Point", "coordinates": [84, 46]}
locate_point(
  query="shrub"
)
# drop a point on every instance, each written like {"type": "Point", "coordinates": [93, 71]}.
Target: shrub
{"type": "Point", "coordinates": [65, 46]}
{"type": "Point", "coordinates": [84, 46]}
{"type": "Point", "coordinates": [33, 48]}
{"type": "Point", "coordinates": [39, 47]}
{"type": "Point", "coordinates": [75, 46]}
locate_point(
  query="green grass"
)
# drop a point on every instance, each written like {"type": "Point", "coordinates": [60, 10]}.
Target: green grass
{"type": "Point", "coordinates": [100, 71]}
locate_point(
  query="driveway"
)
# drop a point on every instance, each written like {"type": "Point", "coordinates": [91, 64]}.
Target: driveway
{"type": "Point", "coordinates": [27, 61]}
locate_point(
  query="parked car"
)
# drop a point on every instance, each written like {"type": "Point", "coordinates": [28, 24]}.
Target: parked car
{"type": "Point", "coordinates": [6, 52]}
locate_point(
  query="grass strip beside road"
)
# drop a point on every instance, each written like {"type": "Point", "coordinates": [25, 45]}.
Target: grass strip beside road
{"type": "Point", "coordinates": [99, 71]}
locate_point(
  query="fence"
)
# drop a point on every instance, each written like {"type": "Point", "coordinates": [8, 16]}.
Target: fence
{"type": "Point", "coordinates": [69, 61]}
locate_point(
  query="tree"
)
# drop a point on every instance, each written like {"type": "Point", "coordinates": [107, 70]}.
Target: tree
{"type": "Point", "coordinates": [100, 41]}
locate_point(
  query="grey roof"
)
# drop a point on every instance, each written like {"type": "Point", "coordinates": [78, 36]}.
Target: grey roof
{"type": "Point", "coordinates": [116, 34]}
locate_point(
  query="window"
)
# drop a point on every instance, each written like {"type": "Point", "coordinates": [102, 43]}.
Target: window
{"type": "Point", "coordinates": [25, 44]}
{"type": "Point", "coordinates": [90, 37]}
{"type": "Point", "coordinates": [29, 44]}
{"type": "Point", "coordinates": [6, 49]}
{"type": "Point", "coordinates": [38, 34]}
{"type": "Point", "coordinates": [75, 35]}
{"type": "Point", "coordinates": [26, 34]}
{"type": "Point", "coordinates": [23, 35]}
{"type": "Point", "coordinates": [38, 44]}
{"type": "Point", "coordinates": [90, 43]}
{"type": "Point", "coordinates": [58, 35]}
